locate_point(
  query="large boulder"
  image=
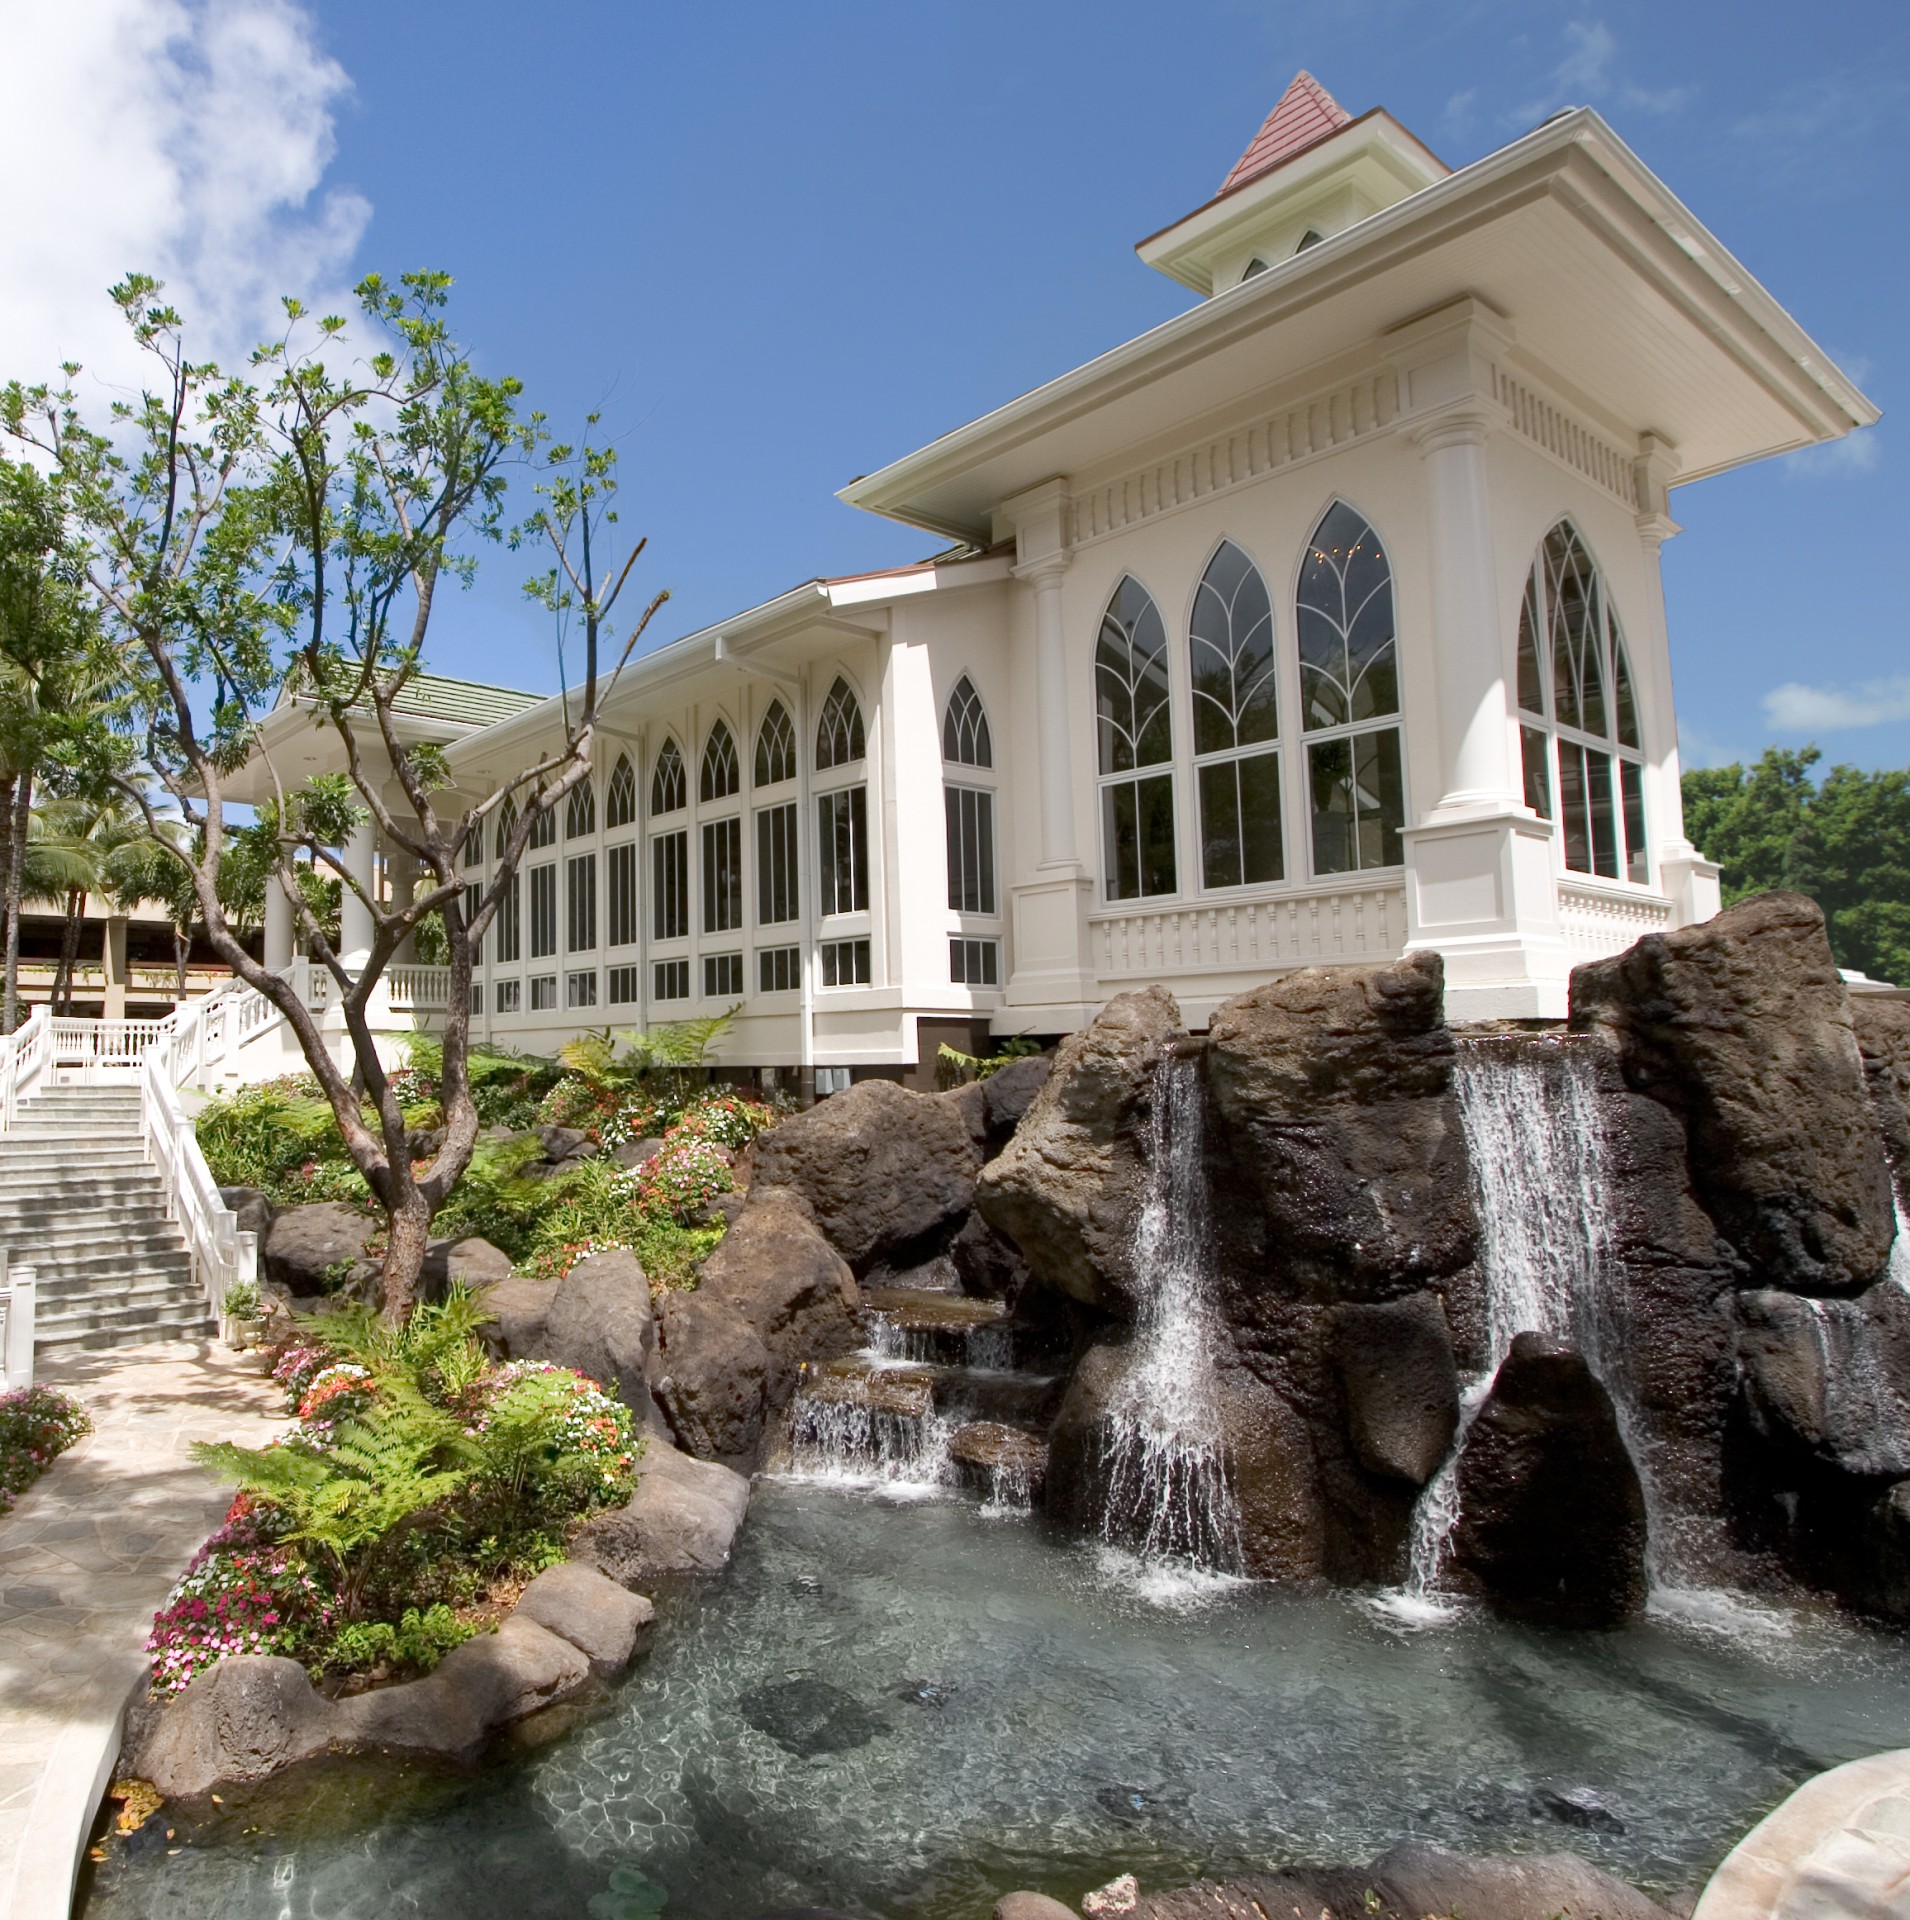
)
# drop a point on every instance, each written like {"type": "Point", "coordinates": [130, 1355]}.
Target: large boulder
{"type": "Point", "coordinates": [1831, 1376]}
{"type": "Point", "coordinates": [1551, 1521]}
{"type": "Point", "coordinates": [603, 1620]}
{"type": "Point", "coordinates": [1067, 1188]}
{"type": "Point", "coordinates": [236, 1723]}
{"type": "Point", "coordinates": [470, 1262]}
{"type": "Point", "coordinates": [600, 1323]}
{"type": "Point", "coordinates": [1009, 1092]}
{"type": "Point", "coordinates": [321, 1248]}
{"type": "Point", "coordinates": [1741, 1025]}
{"type": "Point", "coordinates": [883, 1170]}
{"type": "Point", "coordinates": [519, 1307]}
{"type": "Point", "coordinates": [1882, 1022]}
{"type": "Point", "coordinates": [773, 1295]}
{"type": "Point", "coordinates": [1401, 1384]}
{"type": "Point", "coordinates": [254, 1209]}
{"type": "Point", "coordinates": [681, 1519]}
{"type": "Point", "coordinates": [1333, 1086]}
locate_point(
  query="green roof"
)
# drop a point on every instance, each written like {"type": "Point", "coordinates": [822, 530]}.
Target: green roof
{"type": "Point", "coordinates": [467, 703]}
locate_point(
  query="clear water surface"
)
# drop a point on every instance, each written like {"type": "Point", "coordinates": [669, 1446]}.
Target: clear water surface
{"type": "Point", "coordinates": [902, 1708]}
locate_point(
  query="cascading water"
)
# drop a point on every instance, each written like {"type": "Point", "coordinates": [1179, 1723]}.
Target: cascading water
{"type": "Point", "coordinates": [1535, 1139]}
{"type": "Point", "coordinates": [1169, 1496]}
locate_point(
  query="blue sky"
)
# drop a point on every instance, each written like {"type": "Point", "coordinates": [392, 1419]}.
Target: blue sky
{"type": "Point", "coordinates": [779, 246]}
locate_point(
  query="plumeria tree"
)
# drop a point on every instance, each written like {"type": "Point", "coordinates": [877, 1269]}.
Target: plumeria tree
{"type": "Point", "coordinates": [294, 523]}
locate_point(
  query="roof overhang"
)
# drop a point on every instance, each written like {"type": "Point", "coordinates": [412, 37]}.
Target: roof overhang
{"type": "Point", "coordinates": [1638, 310]}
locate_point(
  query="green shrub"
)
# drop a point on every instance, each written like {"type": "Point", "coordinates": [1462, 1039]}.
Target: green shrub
{"type": "Point", "coordinates": [37, 1425]}
{"type": "Point", "coordinates": [418, 1641]}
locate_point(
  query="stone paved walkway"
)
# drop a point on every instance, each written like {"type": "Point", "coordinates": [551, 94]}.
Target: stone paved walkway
{"type": "Point", "coordinates": [85, 1558]}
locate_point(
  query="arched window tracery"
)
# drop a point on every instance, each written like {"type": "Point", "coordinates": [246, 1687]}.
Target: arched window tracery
{"type": "Point", "coordinates": [620, 797]}
{"type": "Point", "coordinates": [721, 775]}
{"type": "Point", "coordinates": [775, 747]}
{"type": "Point", "coordinates": [839, 734]}
{"type": "Point", "coordinates": [669, 781]}
{"type": "Point", "coordinates": [1134, 734]}
{"type": "Point", "coordinates": [965, 736]}
{"type": "Point", "coordinates": [580, 811]}
{"type": "Point", "coordinates": [1231, 668]}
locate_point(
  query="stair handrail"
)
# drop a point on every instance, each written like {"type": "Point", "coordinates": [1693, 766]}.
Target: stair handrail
{"type": "Point", "coordinates": [23, 1059]}
{"type": "Point", "coordinates": [222, 1255]}
{"type": "Point", "coordinates": [17, 1291]}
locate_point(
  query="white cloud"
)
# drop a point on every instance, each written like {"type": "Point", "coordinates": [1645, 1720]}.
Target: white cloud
{"type": "Point", "coordinates": [1585, 75]}
{"type": "Point", "coordinates": [1858, 452]}
{"type": "Point", "coordinates": [1796, 708]}
{"type": "Point", "coordinates": [187, 138]}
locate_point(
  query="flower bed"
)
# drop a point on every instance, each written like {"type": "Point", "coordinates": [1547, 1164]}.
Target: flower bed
{"type": "Point", "coordinates": [37, 1425]}
{"type": "Point", "coordinates": [420, 1486]}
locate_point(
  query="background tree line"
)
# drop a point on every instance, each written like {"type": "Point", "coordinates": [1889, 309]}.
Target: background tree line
{"type": "Point", "coordinates": [1844, 840]}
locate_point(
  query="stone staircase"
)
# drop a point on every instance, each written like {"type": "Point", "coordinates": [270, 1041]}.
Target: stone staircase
{"type": "Point", "coordinates": [80, 1204]}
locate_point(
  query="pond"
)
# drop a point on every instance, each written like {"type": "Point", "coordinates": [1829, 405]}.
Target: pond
{"type": "Point", "coordinates": [904, 1707]}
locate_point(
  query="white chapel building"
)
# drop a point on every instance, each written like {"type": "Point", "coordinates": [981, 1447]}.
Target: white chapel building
{"type": "Point", "coordinates": [1320, 623]}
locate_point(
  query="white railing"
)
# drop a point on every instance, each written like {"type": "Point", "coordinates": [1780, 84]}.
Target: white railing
{"type": "Point", "coordinates": [222, 1256]}
{"type": "Point", "coordinates": [1598, 922]}
{"type": "Point", "coordinates": [23, 1058]}
{"type": "Point", "coordinates": [414, 989]}
{"type": "Point", "coordinates": [91, 1052]}
{"type": "Point", "coordinates": [16, 1326]}
{"type": "Point", "coordinates": [1300, 930]}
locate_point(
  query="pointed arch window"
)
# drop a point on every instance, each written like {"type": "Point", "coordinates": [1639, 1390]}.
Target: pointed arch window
{"type": "Point", "coordinates": [544, 827]}
{"type": "Point", "coordinates": [506, 826]}
{"type": "Point", "coordinates": [1580, 740]}
{"type": "Point", "coordinates": [669, 783]}
{"type": "Point", "coordinates": [1236, 723]}
{"type": "Point", "coordinates": [620, 797]}
{"type": "Point", "coordinates": [965, 738]}
{"type": "Point", "coordinates": [722, 775]}
{"type": "Point", "coordinates": [1349, 696]}
{"type": "Point", "coordinates": [839, 734]}
{"type": "Point", "coordinates": [1134, 733]}
{"type": "Point", "coordinates": [775, 747]}
{"type": "Point", "coordinates": [580, 811]}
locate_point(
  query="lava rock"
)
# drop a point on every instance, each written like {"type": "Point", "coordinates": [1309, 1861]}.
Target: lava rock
{"type": "Point", "coordinates": [1882, 1023]}
{"type": "Point", "coordinates": [1008, 1094]}
{"type": "Point", "coordinates": [321, 1248]}
{"type": "Point", "coordinates": [1067, 1189]}
{"type": "Point", "coordinates": [682, 1518]}
{"type": "Point", "coordinates": [1742, 1026]}
{"type": "Point", "coordinates": [1832, 1376]}
{"type": "Point", "coordinates": [810, 1716]}
{"type": "Point", "coordinates": [633, 1153]}
{"type": "Point", "coordinates": [518, 1670]}
{"type": "Point", "coordinates": [1031, 1906]}
{"type": "Point", "coordinates": [471, 1263]}
{"type": "Point", "coordinates": [601, 1324]}
{"type": "Point", "coordinates": [970, 1101]}
{"type": "Point", "coordinates": [1333, 1086]}
{"type": "Point", "coordinates": [605, 1622]}
{"type": "Point", "coordinates": [565, 1143]}
{"type": "Point", "coordinates": [882, 1169]}
{"type": "Point", "coordinates": [991, 1457]}
{"type": "Point", "coordinates": [1551, 1516]}
{"type": "Point", "coordinates": [237, 1722]}
{"type": "Point", "coordinates": [518, 1307]}
{"type": "Point", "coordinates": [255, 1211]}
{"type": "Point", "coordinates": [1401, 1384]}
{"type": "Point", "coordinates": [989, 1264]}
{"type": "Point", "coordinates": [1575, 1807]}
{"type": "Point", "coordinates": [712, 1382]}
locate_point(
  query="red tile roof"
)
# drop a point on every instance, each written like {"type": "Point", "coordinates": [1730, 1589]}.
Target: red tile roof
{"type": "Point", "coordinates": [1306, 112]}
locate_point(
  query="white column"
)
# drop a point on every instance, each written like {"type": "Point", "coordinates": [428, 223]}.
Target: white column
{"type": "Point", "coordinates": [278, 926]}
{"type": "Point", "coordinates": [354, 917]}
{"type": "Point", "coordinates": [404, 888]}
{"type": "Point", "coordinates": [1052, 716]}
{"type": "Point", "coordinates": [1468, 647]}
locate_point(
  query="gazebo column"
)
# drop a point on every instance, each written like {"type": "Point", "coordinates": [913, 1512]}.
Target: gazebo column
{"type": "Point", "coordinates": [355, 927]}
{"type": "Point", "coordinates": [278, 926]}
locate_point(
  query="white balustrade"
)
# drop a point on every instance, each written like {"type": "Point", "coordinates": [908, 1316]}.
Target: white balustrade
{"type": "Point", "coordinates": [414, 989]}
{"type": "Point", "coordinates": [17, 1291]}
{"type": "Point", "coordinates": [1296, 930]}
{"type": "Point", "coordinates": [1600, 921]}
{"type": "Point", "coordinates": [23, 1061]}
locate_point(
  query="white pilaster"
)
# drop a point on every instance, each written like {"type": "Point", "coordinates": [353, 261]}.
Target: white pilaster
{"type": "Point", "coordinates": [355, 927]}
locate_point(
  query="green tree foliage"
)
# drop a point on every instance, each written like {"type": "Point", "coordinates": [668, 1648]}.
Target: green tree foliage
{"type": "Point", "coordinates": [1844, 840]}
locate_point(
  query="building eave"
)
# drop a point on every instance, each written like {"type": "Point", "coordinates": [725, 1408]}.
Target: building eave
{"type": "Point", "coordinates": [1741, 316]}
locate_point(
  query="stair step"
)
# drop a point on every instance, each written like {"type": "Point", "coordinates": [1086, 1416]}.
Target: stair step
{"type": "Point", "coordinates": [162, 1242]}
{"type": "Point", "coordinates": [127, 1330]}
{"type": "Point", "coordinates": [123, 1290]}
{"type": "Point", "coordinates": [108, 1270]}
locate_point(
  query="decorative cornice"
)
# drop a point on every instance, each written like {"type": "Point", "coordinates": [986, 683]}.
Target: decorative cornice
{"type": "Point", "coordinates": [1550, 428]}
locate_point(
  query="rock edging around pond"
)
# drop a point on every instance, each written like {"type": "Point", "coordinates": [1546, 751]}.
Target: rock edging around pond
{"type": "Point", "coordinates": [252, 1715]}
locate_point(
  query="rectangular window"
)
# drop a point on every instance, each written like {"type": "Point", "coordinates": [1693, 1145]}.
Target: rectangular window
{"type": "Point", "coordinates": [842, 820]}
{"type": "Point", "coordinates": [543, 911]}
{"type": "Point", "coordinates": [580, 989]}
{"type": "Point", "coordinates": [624, 986]}
{"type": "Point", "coordinates": [1585, 806]}
{"type": "Point", "coordinates": [477, 997]}
{"type": "Point", "coordinates": [778, 969]}
{"type": "Point", "coordinates": [510, 995]}
{"type": "Point", "coordinates": [672, 980]}
{"type": "Point", "coordinates": [971, 849]}
{"type": "Point", "coordinates": [778, 897]}
{"type": "Point", "coordinates": [506, 923]}
{"type": "Point", "coordinates": [845, 963]}
{"type": "Point", "coordinates": [1631, 781]}
{"type": "Point", "coordinates": [722, 875]}
{"type": "Point", "coordinates": [1359, 802]}
{"type": "Point", "coordinates": [543, 992]}
{"type": "Point", "coordinates": [1137, 828]}
{"type": "Point", "coordinates": [580, 903]}
{"type": "Point", "coordinates": [1240, 839]}
{"type": "Point", "coordinates": [1538, 771]}
{"type": "Point", "coordinates": [975, 963]}
{"type": "Point", "coordinates": [473, 899]}
{"type": "Point", "coordinates": [722, 976]}
{"type": "Point", "coordinates": [670, 886]}
{"type": "Point", "coordinates": [621, 862]}
{"type": "Point", "coordinates": [831, 1080]}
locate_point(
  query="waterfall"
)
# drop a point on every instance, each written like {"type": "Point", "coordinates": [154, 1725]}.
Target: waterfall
{"type": "Point", "coordinates": [1535, 1140]}
{"type": "Point", "coordinates": [1899, 1270]}
{"type": "Point", "coordinates": [1168, 1491]}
